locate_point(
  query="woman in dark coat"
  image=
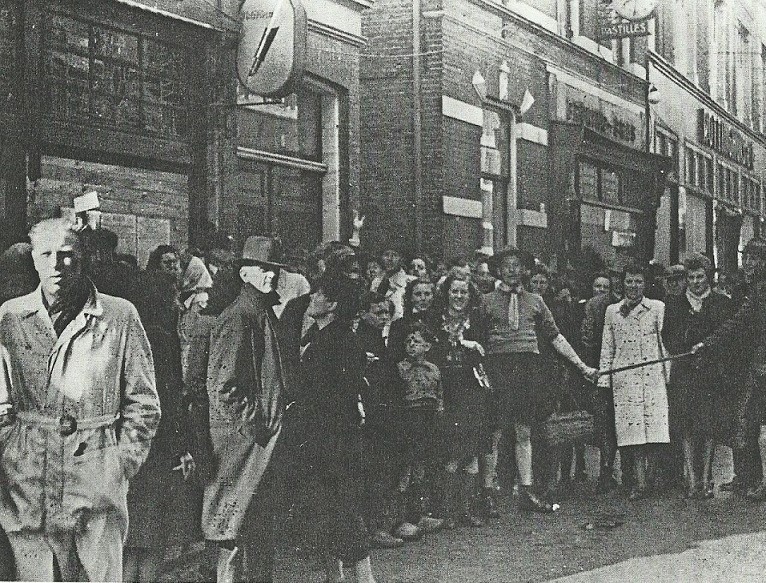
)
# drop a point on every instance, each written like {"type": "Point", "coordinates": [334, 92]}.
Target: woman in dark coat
{"type": "Point", "coordinates": [331, 419]}
{"type": "Point", "coordinates": [695, 396]}
{"type": "Point", "coordinates": [461, 331]}
{"type": "Point", "coordinates": [161, 513]}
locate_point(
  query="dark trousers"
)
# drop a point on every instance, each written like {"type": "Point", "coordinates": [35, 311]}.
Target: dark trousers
{"type": "Point", "coordinates": [384, 504]}
{"type": "Point", "coordinates": [340, 477]}
{"type": "Point", "coordinates": [7, 570]}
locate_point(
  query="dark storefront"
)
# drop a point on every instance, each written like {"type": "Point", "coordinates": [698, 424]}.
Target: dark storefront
{"type": "Point", "coordinates": [608, 194]}
{"type": "Point", "coordinates": [113, 98]}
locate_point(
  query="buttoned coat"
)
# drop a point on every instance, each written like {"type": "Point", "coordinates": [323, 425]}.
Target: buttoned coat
{"type": "Point", "coordinates": [698, 391]}
{"type": "Point", "coordinates": [640, 394]}
{"type": "Point", "coordinates": [100, 367]}
{"type": "Point", "coordinates": [244, 357]}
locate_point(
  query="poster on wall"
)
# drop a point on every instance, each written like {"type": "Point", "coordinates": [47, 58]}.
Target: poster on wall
{"type": "Point", "coordinates": [150, 233]}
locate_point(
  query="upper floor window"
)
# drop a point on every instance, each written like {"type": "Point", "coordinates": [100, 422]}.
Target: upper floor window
{"type": "Point", "coordinates": [699, 170]}
{"type": "Point", "coordinates": [121, 79]}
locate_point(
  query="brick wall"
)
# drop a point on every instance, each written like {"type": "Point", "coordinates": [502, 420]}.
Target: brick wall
{"type": "Point", "coordinates": [466, 36]}
{"type": "Point", "coordinates": [386, 132]}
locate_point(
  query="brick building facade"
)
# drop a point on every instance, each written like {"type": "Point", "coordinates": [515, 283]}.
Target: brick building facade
{"type": "Point", "coordinates": [113, 97]}
{"type": "Point", "coordinates": [450, 161]}
{"type": "Point", "coordinates": [294, 170]}
{"type": "Point", "coordinates": [139, 101]}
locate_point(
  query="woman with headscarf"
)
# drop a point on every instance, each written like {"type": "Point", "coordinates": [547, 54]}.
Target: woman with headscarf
{"type": "Point", "coordinates": [193, 298]}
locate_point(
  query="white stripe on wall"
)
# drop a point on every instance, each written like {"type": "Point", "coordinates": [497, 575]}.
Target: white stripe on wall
{"type": "Point", "coordinates": [530, 133]}
{"type": "Point", "coordinates": [462, 111]}
{"type": "Point", "coordinates": [462, 207]}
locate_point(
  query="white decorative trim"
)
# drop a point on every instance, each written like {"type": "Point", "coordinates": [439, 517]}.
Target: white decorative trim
{"type": "Point", "coordinates": [462, 207]}
{"type": "Point", "coordinates": [530, 218]}
{"type": "Point", "coordinates": [337, 34]}
{"type": "Point", "coordinates": [638, 70]}
{"type": "Point", "coordinates": [534, 15]}
{"type": "Point", "coordinates": [530, 133]}
{"type": "Point", "coordinates": [462, 111]}
{"type": "Point", "coordinates": [588, 87]}
{"type": "Point", "coordinates": [173, 15]}
{"type": "Point", "coordinates": [263, 156]}
{"type": "Point", "coordinates": [432, 13]}
{"type": "Point", "coordinates": [593, 47]}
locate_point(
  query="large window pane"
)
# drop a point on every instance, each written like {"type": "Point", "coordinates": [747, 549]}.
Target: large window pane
{"type": "Point", "coordinates": [610, 186]}
{"type": "Point", "coordinates": [98, 72]}
{"type": "Point", "coordinates": [292, 127]}
{"type": "Point", "coordinates": [588, 180]}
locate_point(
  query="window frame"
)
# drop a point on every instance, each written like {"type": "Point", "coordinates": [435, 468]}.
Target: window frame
{"type": "Point", "coordinates": [143, 39]}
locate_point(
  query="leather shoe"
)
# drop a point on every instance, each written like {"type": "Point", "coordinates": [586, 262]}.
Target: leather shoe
{"type": "Point", "coordinates": [528, 500]}
{"type": "Point", "coordinates": [384, 540]}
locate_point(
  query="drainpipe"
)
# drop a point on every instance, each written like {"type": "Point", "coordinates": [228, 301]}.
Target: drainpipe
{"type": "Point", "coordinates": [417, 127]}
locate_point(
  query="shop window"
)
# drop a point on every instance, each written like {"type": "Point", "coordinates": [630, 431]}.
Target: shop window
{"type": "Point", "coordinates": [293, 143]}
{"type": "Point", "coordinates": [597, 182]}
{"type": "Point", "coordinates": [610, 186]}
{"type": "Point", "coordinates": [588, 181]}
{"type": "Point", "coordinates": [117, 78]}
{"type": "Point", "coordinates": [292, 126]}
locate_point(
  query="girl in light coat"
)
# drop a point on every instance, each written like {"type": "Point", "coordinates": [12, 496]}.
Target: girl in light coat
{"type": "Point", "coordinates": [632, 334]}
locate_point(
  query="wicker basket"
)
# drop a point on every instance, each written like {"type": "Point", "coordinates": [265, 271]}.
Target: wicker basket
{"type": "Point", "coordinates": [567, 428]}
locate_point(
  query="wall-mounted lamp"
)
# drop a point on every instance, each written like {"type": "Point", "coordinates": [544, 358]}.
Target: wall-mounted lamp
{"type": "Point", "coordinates": [479, 85]}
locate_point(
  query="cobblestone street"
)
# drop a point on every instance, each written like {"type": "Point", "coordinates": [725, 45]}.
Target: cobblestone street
{"type": "Point", "coordinates": [665, 538]}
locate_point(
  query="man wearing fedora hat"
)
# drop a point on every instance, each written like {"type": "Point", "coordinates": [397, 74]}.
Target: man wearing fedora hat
{"type": "Point", "coordinates": [245, 383]}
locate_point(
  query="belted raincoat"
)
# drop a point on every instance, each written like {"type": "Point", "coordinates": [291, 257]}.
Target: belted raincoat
{"type": "Point", "coordinates": [86, 410]}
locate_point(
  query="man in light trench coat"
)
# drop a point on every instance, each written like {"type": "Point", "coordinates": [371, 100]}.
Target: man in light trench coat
{"type": "Point", "coordinates": [78, 410]}
{"type": "Point", "coordinates": [245, 383]}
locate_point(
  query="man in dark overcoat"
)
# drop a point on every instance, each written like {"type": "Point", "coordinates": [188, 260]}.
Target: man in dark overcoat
{"type": "Point", "coordinates": [245, 384]}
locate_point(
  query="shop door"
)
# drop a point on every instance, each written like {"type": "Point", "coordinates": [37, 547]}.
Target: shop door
{"type": "Point", "coordinates": [280, 201]}
{"type": "Point", "coordinates": [612, 233]}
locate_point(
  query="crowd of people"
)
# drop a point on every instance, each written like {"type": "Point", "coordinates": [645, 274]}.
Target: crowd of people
{"type": "Point", "coordinates": [200, 397]}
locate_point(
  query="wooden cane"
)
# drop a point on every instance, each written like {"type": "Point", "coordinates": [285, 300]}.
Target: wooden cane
{"type": "Point", "coordinates": [647, 363]}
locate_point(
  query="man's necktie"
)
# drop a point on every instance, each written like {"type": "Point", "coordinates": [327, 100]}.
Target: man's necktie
{"type": "Point", "coordinates": [513, 310]}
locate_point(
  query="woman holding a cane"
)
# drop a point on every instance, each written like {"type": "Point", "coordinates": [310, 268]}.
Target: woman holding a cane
{"type": "Point", "coordinates": [632, 336]}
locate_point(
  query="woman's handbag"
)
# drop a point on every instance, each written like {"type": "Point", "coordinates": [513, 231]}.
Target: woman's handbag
{"type": "Point", "coordinates": [561, 429]}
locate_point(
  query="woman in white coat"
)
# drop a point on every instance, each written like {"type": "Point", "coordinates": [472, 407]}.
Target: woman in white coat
{"type": "Point", "coordinates": [632, 334]}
